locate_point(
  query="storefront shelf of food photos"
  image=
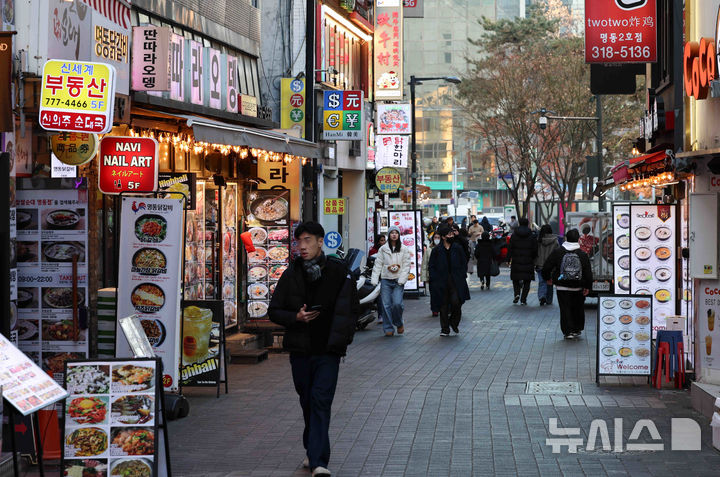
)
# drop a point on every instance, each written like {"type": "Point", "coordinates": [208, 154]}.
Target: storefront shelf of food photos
{"type": "Point", "coordinates": [107, 303]}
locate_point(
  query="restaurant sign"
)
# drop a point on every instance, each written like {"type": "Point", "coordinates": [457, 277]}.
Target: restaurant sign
{"type": "Point", "coordinates": [128, 164]}
{"type": "Point", "coordinates": [74, 149]}
{"type": "Point", "coordinates": [77, 96]}
{"type": "Point", "coordinates": [343, 115]}
{"type": "Point", "coordinates": [388, 49]}
{"type": "Point", "coordinates": [394, 118]}
{"type": "Point", "coordinates": [620, 31]}
{"type": "Point", "coordinates": [392, 151]}
{"type": "Point", "coordinates": [151, 61]}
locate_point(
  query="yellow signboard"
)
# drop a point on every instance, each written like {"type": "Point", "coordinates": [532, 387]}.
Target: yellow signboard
{"type": "Point", "coordinates": [388, 180]}
{"type": "Point", "coordinates": [77, 96]}
{"type": "Point", "coordinates": [74, 149]}
{"type": "Point", "coordinates": [292, 104]}
{"type": "Point", "coordinates": [334, 206]}
{"type": "Point", "coordinates": [286, 176]}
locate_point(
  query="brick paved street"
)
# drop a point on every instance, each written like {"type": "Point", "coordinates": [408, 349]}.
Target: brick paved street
{"type": "Point", "coordinates": [422, 405]}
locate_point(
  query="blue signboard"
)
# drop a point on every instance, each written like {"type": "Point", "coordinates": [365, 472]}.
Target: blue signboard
{"type": "Point", "coordinates": [333, 239]}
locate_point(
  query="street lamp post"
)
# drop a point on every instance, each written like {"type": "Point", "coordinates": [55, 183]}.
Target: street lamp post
{"type": "Point", "coordinates": [413, 141]}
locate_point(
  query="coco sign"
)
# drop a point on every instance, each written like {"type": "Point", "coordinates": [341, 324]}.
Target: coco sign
{"type": "Point", "coordinates": [700, 63]}
{"type": "Point", "coordinates": [128, 164]}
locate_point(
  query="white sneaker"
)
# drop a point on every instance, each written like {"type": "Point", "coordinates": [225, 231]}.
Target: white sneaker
{"type": "Point", "coordinates": [318, 471]}
{"type": "Point", "coordinates": [443, 334]}
{"type": "Point", "coordinates": [306, 463]}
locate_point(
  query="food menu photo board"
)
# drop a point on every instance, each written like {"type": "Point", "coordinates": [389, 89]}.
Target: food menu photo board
{"type": "Point", "coordinates": [652, 259]}
{"type": "Point", "coordinates": [268, 222]}
{"type": "Point", "coordinates": [229, 254]}
{"type": "Point", "coordinates": [708, 332]}
{"type": "Point", "coordinates": [405, 221]}
{"type": "Point", "coordinates": [24, 385]}
{"type": "Point", "coordinates": [51, 231]}
{"type": "Point", "coordinates": [149, 277]}
{"type": "Point", "coordinates": [419, 231]}
{"type": "Point", "coordinates": [195, 247]}
{"type": "Point", "coordinates": [111, 418]}
{"type": "Point", "coordinates": [621, 265]}
{"type": "Point", "coordinates": [624, 333]}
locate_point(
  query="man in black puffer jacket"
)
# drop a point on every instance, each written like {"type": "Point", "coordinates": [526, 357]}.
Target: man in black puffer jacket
{"type": "Point", "coordinates": [522, 250]}
{"type": "Point", "coordinates": [316, 301]}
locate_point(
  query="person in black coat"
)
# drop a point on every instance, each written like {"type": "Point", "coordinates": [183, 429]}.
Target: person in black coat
{"type": "Point", "coordinates": [316, 301]}
{"type": "Point", "coordinates": [573, 279]}
{"type": "Point", "coordinates": [484, 255]}
{"type": "Point", "coordinates": [447, 269]}
{"type": "Point", "coordinates": [485, 223]}
{"type": "Point", "coordinates": [522, 250]}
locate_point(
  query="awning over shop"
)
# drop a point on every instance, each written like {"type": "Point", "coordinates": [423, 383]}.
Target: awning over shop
{"type": "Point", "coordinates": [647, 159]}
{"type": "Point", "coordinates": [217, 132]}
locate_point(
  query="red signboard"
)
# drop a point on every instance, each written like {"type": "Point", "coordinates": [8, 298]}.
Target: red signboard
{"type": "Point", "coordinates": [620, 31]}
{"type": "Point", "coordinates": [128, 164]}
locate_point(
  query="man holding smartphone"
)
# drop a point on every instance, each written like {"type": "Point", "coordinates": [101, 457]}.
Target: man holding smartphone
{"type": "Point", "coordinates": [316, 301]}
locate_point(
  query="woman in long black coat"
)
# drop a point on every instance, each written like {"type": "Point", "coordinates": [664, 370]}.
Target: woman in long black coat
{"type": "Point", "coordinates": [447, 269]}
{"type": "Point", "coordinates": [522, 250]}
{"type": "Point", "coordinates": [485, 255]}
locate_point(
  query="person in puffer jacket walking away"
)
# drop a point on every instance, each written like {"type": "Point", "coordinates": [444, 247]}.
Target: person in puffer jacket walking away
{"type": "Point", "coordinates": [391, 270]}
{"type": "Point", "coordinates": [316, 301]}
{"type": "Point", "coordinates": [522, 251]}
{"type": "Point", "coordinates": [485, 256]}
{"type": "Point", "coordinates": [547, 242]}
{"type": "Point", "coordinates": [570, 270]}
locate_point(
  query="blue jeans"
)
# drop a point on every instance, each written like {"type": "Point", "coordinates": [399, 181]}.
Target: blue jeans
{"type": "Point", "coordinates": [544, 290]}
{"type": "Point", "coordinates": [392, 302]}
{"type": "Point", "coordinates": [315, 378]}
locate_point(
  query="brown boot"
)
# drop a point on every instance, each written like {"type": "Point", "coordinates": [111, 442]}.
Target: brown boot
{"type": "Point", "coordinates": [401, 330]}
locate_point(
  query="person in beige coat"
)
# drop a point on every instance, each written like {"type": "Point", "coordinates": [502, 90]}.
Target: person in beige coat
{"type": "Point", "coordinates": [391, 270]}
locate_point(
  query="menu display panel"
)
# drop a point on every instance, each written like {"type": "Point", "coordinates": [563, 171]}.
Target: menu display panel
{"type": "Point", "coordinates": [624, 332]}
{"type": "Point", "coordinates": [621, 252]}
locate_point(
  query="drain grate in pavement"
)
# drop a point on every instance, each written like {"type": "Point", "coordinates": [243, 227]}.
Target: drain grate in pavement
{"type": "Point", "coordinates": [553, 387]}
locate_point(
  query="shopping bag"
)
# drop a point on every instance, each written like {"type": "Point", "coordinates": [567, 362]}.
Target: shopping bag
{"type": "Point", "coordinates": [494, 268]}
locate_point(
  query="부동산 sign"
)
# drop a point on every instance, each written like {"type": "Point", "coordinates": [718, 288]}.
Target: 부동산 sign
{"type": "Point", "coordinates": [77, 96]}
{"type": "Point", "coordinates": [128, 164]}
{"type": "Point", "coordinates": [620, 31]}
{"type": "Point", "coordinates": [343, 115]}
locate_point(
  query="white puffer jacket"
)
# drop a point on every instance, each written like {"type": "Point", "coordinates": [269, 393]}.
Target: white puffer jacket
{"type": "Point", "coordinates": [386, 258]}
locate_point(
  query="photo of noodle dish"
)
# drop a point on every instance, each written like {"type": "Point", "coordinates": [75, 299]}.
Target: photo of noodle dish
{"type": "Point", "coordinates": [129, 377]}
{"type": "Point", "coordinates": [154, 330]}
{"type": "Point", "coordinates": [131, 468]}
{"type": "Point", "coordinates": [85, 468]}
{"type": "Point", "coordinates": [258, 235]}
{"type": "Point", "coordinates": [87, 409]}
{"type": "Point", "coordinates": [133, 409]}
{"type": "Point", "coordinates": [132, 441]}
{"type": "Point", "coordinates": [149, 261]}
{"type": "Point", "coordinates": [269, 209]}
{"type": "Point", "coordinates": [86, 442]}
{"type": "Point", "coordinates": [60, 330]}
{"type": "Point", "coordinates": [88, 379]}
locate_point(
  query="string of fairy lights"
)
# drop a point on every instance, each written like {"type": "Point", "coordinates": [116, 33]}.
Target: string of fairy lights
{"type": "Point", "coordinates": [664, 178]}
{"type": "Point", "coordinates": [186, 143]}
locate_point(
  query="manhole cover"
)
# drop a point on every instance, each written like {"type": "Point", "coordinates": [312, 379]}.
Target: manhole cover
{"type": "Point", "coordinates": [552, 387]}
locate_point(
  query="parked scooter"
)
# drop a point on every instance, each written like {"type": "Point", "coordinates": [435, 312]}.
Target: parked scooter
{"type": "Point", "coordinates": [367, 293]}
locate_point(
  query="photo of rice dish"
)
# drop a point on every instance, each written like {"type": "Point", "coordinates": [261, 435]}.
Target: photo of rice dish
{"type": "Point", "coordinates": [258, 234]}
{"type": "Point", "coordinates": [642, 336]}
{"type": "Point", "coordinates": [643, 233]}
{"type": "Point", "coordinates": [624, 262]}
{"type": "Point", "coordinates": [608, 319]}
{"type": "Point", "coordinates": [609, 335]}
{"type": "Point", "coordinates": [643, 275]}
{"type": "Point", "coordinates": [148, 298]}
{"type": "Point", "coordinates": [87, 379]}
{"type": "Point", "coordinates": [642, 320]}
{"type": "Point", "coordinates": [663, 274]}
{"type": "Point", "coordinates": [642, 352]}
{"type": "Point", "coordinates": [623, 221]}
{"type": "Point", "coordinates": [623, 242]}
{"type": "Point", "coordinates": [663, 233]}
{"type": "Point", "coordinates": [643, 253]}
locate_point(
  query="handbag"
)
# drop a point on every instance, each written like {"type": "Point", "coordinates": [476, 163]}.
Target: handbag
{"type": "Point", "coordinates": [494, 269]}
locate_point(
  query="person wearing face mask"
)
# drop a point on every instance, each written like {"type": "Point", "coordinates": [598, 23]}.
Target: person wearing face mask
{"type": "Point", "coordinates": [391, 270]}
{"type": "Point", "coordinates": [425, 274]}
{"type": "Point", "coordinates": [485, 257]}
{"type": "Point", "coordinates": [448, 281]}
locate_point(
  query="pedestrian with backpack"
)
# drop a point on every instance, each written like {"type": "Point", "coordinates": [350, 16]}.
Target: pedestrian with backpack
{"type": "Point", "coordinates": [569, 269]}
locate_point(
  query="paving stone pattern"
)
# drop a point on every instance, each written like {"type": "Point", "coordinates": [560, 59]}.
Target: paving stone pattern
{"type": "Point", "coordinates": [421, 405]}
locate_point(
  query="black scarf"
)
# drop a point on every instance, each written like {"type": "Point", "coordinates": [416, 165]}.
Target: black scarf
{"type": "Point", "coordinates": [313, 268]}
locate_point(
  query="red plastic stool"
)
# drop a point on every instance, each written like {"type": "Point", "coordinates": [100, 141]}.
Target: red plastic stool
{"type": "Point", "coordinates": [662, 354]}
{"type": "Point", "coordinates": [680, 374]}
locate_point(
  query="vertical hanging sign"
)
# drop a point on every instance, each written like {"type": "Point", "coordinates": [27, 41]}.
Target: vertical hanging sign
{"type": "Point", "coordinates": [292, 104]}
{"type": "Point", "coordinates": [232, 84]}
{"type": "Point", "coordinates": [388, 49]}
{"type": "Point", "coordinates": [177, 67]}
{"type": "Point", "coordinates": [196, 72]}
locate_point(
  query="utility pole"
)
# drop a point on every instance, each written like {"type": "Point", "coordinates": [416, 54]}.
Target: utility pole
{"type": "Point", "coordinates": [599, 138]}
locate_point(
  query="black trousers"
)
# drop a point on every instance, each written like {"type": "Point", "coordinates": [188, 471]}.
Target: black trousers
{"type": "Point", "coordinates": [485, 280]}
{"type": "Point", "coordinates": [522, 288]}
{"type": "Point", "coordinates": [572, 311]}
{"type": "Point", "coordinates": [451, 309]}
{"type": "Point", "coordinates": [315, 378]}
